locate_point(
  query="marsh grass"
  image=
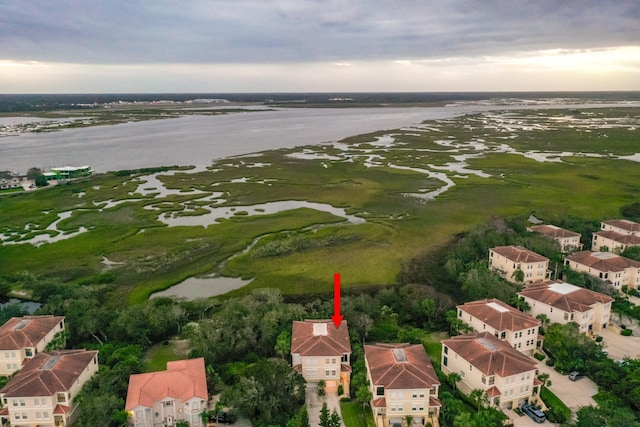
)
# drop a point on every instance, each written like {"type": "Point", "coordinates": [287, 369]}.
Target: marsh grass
{"type": "Point", "coordinates": [296, 258]}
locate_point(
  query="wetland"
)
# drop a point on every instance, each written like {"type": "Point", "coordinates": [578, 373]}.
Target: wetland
{"type": "Point", "coordinates": [290, 217]}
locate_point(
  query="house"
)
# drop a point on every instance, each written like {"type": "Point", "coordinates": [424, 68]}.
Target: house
{"type": "Point", "coordinates": [563, 302]}
{"type": "Point", "coordinates": [617, 270]}
{"type": "Point", "coordinates": [509, 261]}
{"type": "Point", "coordinates": [484, 362]}
{"type": "Point", "coordinates": [622, 226]}
{"type": "Point", "coordinates": [23, 337]}
{"type": "Point", "coordinates": [166, 397]}
{"type": "Point", "coordinates": [42, 393]}
{"type": "Point", "coordinates": [320, 351]}
{"type": "Point", "coordinates": [612, 241]}
{"type": "Point", "coordinates": [568, 240]}
{"type": "Point", "coordinates": [403, 382]}
{"type": "Point", "coordinates": [506, 323]}
{"type": "Point", "coordinates": [71, 172]}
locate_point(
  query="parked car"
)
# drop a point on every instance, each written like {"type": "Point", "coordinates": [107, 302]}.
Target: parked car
{"type": "Point", "coordinates": [534, 413]}
{"type": "Point", "coordinates": [575, 376]}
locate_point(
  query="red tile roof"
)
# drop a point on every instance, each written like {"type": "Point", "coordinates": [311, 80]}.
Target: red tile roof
{"type": "Point", "coordinates": [519, 254]}
{"type": "Point", "coordinates": [49, 373]}
{"type": "Point", "coordinates": [493, 392]}
{"type": "Point", "coordinates": [625, 239]}
{"type": "Point", "coordinates": [183, 380]}
{"type": "Point", "coordinates": [400, 366]}
{"type": "Point", "coordinates": [326, 341]}
{"type": "Point", "coordinates": [564, 296]}
{"type": "Point", "coordinates": [20, 332]}
{"type": "Point", "coordinates": [499, 315]}
{"type": "Point", "coordinates": [433, 402]}
{"type": "Point", "coordinates": [603, 261]}
{"type": "Point", "coordinates": [380, 403]}
{"type": "Point", "coordinates": [553, 231]}
{"type": "Point", "coordinates": [624, 224]}
{"type": "Point", "coordinates": [490, 355]}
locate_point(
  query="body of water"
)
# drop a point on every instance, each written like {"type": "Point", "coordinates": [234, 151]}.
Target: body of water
{"type": "Point", "coordinates": [198, 140]}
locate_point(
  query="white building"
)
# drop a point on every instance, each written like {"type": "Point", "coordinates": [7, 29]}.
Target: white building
{"type": "Point", "coordinates": [615, 269]}
{"type": "Point", "coordinates": [506, 323]}
{"type": "Point", "coordinates": [568, 240]}
{"type": "Point", "coordinates": [563, 302]}
{"type": "Point", "coordinates": [508, 261]}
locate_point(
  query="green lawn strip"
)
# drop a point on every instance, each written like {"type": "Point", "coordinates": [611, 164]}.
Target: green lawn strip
{"type": "Point", "coordinates": [353, 415]}
{"type": "Point", "coordinates": [552, 401]}
{"type": "Point", "coordinates": [158, 355]}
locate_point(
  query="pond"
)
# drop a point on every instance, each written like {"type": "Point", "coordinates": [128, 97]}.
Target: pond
{"type": "Point", "coordinates": [193, 287]}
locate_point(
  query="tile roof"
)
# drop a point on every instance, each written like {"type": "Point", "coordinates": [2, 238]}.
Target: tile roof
{"type": "Point", "coordinates": [624, 224]}
{"type": "Point", "coordinates": [400, 366]}
{"type": "Point", "coordinates": [49, 373]}
{"type": "Point", "coordinates": [20, 332]}
{"type": "Point", "coordinates": [490, 355]}
{"type": "Point", "coordinates": [499, 315]}
{"type": "Point", "coordinates": [625, 239]}
{"type": "Point", "coordinates": [553, 231]}
{"type": "Point", "coordinates": [310, 338]}
{"type": "Point", "coordinates": [519, 254]}
{"type": "Point", "coordinates": [183, 380]}
{"type": "Point", "coordinates": [603, 261]}
{"type": "Point", "coordinates": [564, 296]}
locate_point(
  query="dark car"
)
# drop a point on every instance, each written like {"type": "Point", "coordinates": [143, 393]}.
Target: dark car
{"type": "Point", "coordinates": [575, 375]}
{"type": "Point", "coordinates": [222, 417]}
{"type": "Point", "coordinates": [534, 413]}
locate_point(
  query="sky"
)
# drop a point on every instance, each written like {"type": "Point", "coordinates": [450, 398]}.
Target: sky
{"type": "Point", "coordinates": [138, 46]}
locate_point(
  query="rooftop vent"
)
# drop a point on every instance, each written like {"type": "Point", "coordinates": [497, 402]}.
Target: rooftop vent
{"type": "Point", "coordinates": [49, 364]}
{"type": "Point", "coordinates": [604, 255]}
{"type": "Point", "coordinates": [21, 324]}
{"type": "Point", "coordinates": [320, 329]}
{"type": "Point", "coordinates": [399, 354]}
{"type": "Point", "coordinates": [497, 307]}
{"type": "Point", "coordinates": [563, 288]}
{"type": "Point", "coordinates": [487, 344]}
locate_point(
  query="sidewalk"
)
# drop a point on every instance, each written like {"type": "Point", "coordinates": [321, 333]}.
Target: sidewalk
{"type": "Point", "coordinates": [314, 404]}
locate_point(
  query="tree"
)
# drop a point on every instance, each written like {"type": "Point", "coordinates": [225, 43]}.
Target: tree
{"type": "Point", "coordinates": [321, 388]}
{"type": "Point", "coordinates": [334, 419]}
{"type": "Point", "coordinates": [454, 378]}
{"type": "Point", "coordinates": [479, 398]}
{"type": "Point", "coordinates": [408, 420]}
{"type": "Point", "coordinates": [363, 395]}
{"type": "Point", "coordinates": [283, 344]}
{"type": "Point", "coordinates": [325, 416]}
{"type": "Point", "coordinates": [35, 174]}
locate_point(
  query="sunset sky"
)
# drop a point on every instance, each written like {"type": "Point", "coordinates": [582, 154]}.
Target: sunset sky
{"type": "Point", "coordinates": [91, 46]}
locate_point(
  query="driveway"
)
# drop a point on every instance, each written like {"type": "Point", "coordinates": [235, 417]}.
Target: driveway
{"type": "Point", "coordinates": [618, 346]}
{"type": "Point", "coordinates": [314, 404]}
{"type": "Point", "coordinates": [524, 420]}
{"type": "Point", "coordinates": [574, 394]}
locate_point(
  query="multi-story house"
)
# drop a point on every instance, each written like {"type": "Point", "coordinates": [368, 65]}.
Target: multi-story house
{"type": "Point", "coordinates": [563, 302]}
{"type": "Point", "coordinates": [615, 269]}
{"type": "Point", "coordinates": [513, 261]}
{"type": "Point", "coordinates": [43, 393]}
{"type": "Point", "coordinates": [164, 398]}
{"type": "Point", "coordinates": [23, 337]}
{"type": "Point", "coordinates": [568, 240]}
{"type": "Point", "coordinates": [320, 351]}
{"type": "Point", "coordinates": [612, 241]}
{"type": "Point", "coordinates": [622, 226]}
{"type": "Point", "coordinates": [520, 330]}
{"type": "Point", "coordinates": [402, 382]}
{"type": "Point", "coordinates": [484, 362]}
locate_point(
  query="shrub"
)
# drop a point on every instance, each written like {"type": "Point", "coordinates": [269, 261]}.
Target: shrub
{"type": "Point", "coordinates": [626, 332]}
{"type": "Point", "coordinates": [539, 356]}
{"type": "Point", "coordinates": [598, 338]}
{"type": "Point", "coordinates": [550, 362]}
{"type": "Point", "coordinates": [623, 326]}
{"type": "Point", "coordinates": [340, 390]}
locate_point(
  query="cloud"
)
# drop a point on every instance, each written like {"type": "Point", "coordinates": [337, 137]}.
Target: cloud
{"type": "Point", "coordinates": [279, 31]}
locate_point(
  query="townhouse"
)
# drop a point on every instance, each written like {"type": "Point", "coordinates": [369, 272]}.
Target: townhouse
{"type": "Point", "coordinates": [22, 338]}
{"type": "Point", "coordinates": [164, 398]}
{"type": "Point", "coordinates": [320, 351]}
{"type": "Point", "coordinates": [568, 240]}
{"type": "Point", "coordinates": [402, 382]}
{"type": "Point", "coordinates": [506, 323]}
{"type": "Point", "coordinates": [615, 269]}
{"type": "Point", "coordinates": [612, 241]}
{"type": "Point", "coordinates": [563, 302]}
{"type": "Point", "coordinates": [43, 393]}
{"type": "Point", "coordinates": [622, 226]}
{"type": "Point", "coordinates": [483, 362]}
{"type": "Point", "coordinates": [512, 261]}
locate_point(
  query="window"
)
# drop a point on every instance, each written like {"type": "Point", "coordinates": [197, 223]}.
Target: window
{"type": "Point", "coordinates": [39, 415]}
{"type": "Point", "coordinates": [22, 402]}
{"type": "Point", "coordinates": [345, 358]}
{"type": "Point", "coordinates": [492, 380]}
{"type": "Point", "coordinates": [333, 372]}
{"type": "Point", "coordinates": [327, 361]}
{"type": "Point", "coordinates": [24, 415]}
{"type": "Point", "coordinates": [379, 391]}
{"type": "Point", "coordinates": [445, 361]}
{"type": "Point", "coordinates": [327, 372]}
{"type": "Point", "coordinates": [14, 402]}
{"type": "Point", "coordinates": [28, 352]}
{"type": "Point", "coordinates": [445, 349]}
{"type": "Point", "coordinates": [484, 379]}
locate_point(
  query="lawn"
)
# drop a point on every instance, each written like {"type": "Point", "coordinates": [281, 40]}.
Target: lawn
{"type": "Point", "coordinates": [158, 355]}
{"type": "Point", "coordinates": [552, 401]}
{"type": "Point", "coordinates": [354, 416]}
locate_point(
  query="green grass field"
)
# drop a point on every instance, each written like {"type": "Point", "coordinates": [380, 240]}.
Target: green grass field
{"type": "Point", "coordinates": [299, 250]}
{"type": "Point", "coordinates": [353, 415]}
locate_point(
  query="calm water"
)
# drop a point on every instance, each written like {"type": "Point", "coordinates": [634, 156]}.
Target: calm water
{"type": "Point", "coordinates": [198, 140]}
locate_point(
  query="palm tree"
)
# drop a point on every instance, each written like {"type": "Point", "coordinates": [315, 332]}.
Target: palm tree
{"type": "Point", "coordinates": [408, 420]}
{"type": "Point", "coordinates": [454, 378]}
{"type": "Point", "coordinates": [479, 397]}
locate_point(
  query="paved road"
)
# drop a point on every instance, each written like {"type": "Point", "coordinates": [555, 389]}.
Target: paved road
{"type": "Point", "coordinates": [314, 404]}
{"type": "Point", "coordinates": [574, 394]}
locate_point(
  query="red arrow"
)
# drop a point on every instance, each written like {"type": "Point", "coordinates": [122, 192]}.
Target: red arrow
{"type": "Point", "coordinates": [337, 317]}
